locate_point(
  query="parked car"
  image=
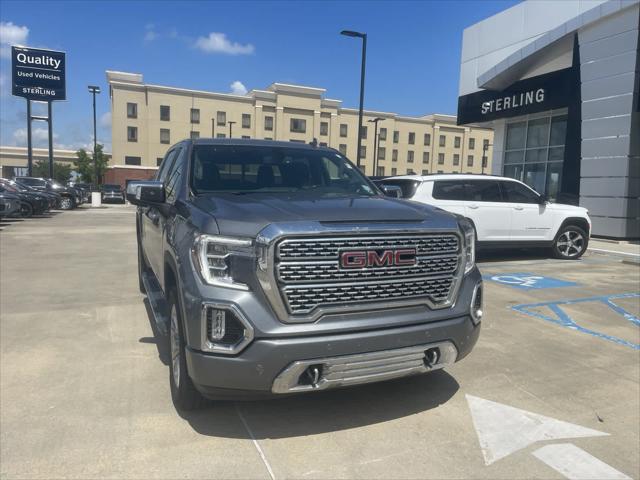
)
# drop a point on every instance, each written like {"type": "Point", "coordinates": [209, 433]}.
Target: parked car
{"type": "Point", "coordinates": [112, 192]}
{"type": "Point", "coordinates": [32, 202]}
{"type": "Point", "coordinates": [69, 197]}
{"type": "Point", "coordinates": [9, 205]}
{"type": "Point", "coordinates": [279, 268]}
{"type": "Point", "coordinates": [504, 211]}
{"type": "Point", "coordinates": [85, 188]}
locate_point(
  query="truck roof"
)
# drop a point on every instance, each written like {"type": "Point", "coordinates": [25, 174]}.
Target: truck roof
{"type": "Point", "coordinates": [256, 143]}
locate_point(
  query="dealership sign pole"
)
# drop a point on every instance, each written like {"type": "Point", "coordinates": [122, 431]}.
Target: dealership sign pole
{"type": "Point", "coordinates": [38, 75]}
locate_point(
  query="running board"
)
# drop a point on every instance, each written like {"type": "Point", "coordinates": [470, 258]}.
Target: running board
{"type": "Point", "coordinates": [157, 302]}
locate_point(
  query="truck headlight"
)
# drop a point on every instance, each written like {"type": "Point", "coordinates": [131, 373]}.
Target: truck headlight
{"type": "Point", "coordinates": [469, 235]}
{"type": "Point", "coordinates": [212, 256]}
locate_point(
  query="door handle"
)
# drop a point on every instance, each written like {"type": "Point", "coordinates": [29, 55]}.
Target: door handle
{"type": "Point", "coordinates": [473, 206]}
{"type": "Point", "coordinates": [518, 208]}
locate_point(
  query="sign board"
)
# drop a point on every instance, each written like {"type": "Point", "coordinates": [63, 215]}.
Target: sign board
{"type": "Point", "coordinates": [536, 94]}
{"type": "Point", "coordinates": [38, 74]}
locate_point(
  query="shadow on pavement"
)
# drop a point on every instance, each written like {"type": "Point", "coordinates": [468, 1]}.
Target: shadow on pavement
{"type": "Point", "coordinates": [322, 412]}
{"type": "Point", "coordinates": [512, 255]}
{"type": "Point", "coordinates": [161, 341]}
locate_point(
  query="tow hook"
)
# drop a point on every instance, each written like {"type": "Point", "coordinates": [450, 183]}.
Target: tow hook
{"type": "Point", "coordinates": [431, 357]}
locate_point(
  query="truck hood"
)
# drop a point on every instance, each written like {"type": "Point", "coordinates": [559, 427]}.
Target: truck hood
{"type": "Point", "coordinates": [247, 215]}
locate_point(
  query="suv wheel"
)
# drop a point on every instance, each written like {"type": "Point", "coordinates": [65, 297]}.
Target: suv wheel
{"type": "Point", "coordinates": [183, 392]}
{"type": "Point", "coordinates": [26, 210]}
{"type": "Point", "coordinates": [66, 203]}
{"type": "Point", "coordinates": [570, 243]}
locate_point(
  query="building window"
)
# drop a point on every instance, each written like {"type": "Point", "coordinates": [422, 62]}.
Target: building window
{"type": "Point", "coordinates": [456, 142]}
{"type": "Point", "coordinates": [412, 138]}
{"type": "Point", "coordinates": [410, 172]}
{"type": "Point", "coordinates": [396, 136]}
{"type": "Point", "coordinates": [363, 130]}
{"type": "Point", "coordinates": [425, 172]}
{"type": "Point", "coordinates": [165, 113]}
{"type": "Point", "coordinates": [132, 161]}
{"type": "Point", "coordinates": [195, 115]}
{"type": "Point", "coordinates": [165, 135]}
{"type": "Point", "coordinates": [394, 171]}
{"type": "Point", "coordinates": [394, 155]}
{"type": "Point", "coordinates": [342, 148]}
{"type": "Point", "coordinates": [425, 157]}
{"type": "Point", "coordinates": [246, 120]}
{"type": "Point", "coordinates": [324, 128]}
{"type": "Point", "coordinates": [534, 153]}
{"type": "Point", "coordinates": [268, 123]}
{"type": "Point", "coordinates": [456, 159]}
{"type": "Point", "coordinates": [323, 144]}
{"type": "Point", "coordinates": [427, 139]}
{"type": "Point", "coordinates": [485, 144]}
{"type": "Point", "coordinates": [383, 134]}
{"type": "Point", "coordinates": [363, 151]}
{"type": "Point", "coordinates": [440, 171]}
{"type": "Point", "coordinates": [158, 161]}
{"type": "Point", "coordinates": [132, 110]}
{"type": "Point", "coordinates": [443, 141]}
{"type": "Point", "coordinates": [410, 156]}
{"type": "Point", "coordinates": [343, 129]}
{"type": "Point", "coordinates": [132, 134]}
{"type": "Point", "coordinates": [195, 135]}
{"type": "Point", "coordinates": [268, 138]}
{"type": "Point", "coordinates": [298, 125]}
{"type": "Point", "coordinates": [221, 135]}
{"type": "Point", "coordinates": [472, 143]}
{"type": "Point", "coordinates": [380, 172]}
{"type": "Point", "coordinates": [470, 161]}
{"type": "Point", "coordinates": [382, 153]}
{"type": "Point", "coordinates": [221, 118]}
{"type": "Point", "coordinates": [246, 137]}
{"type": "Point", "coordinates": [441, 159]}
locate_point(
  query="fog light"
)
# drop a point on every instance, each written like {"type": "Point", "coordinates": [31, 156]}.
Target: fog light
{"type": "Point", "coordinates": [224, 329]}
{"type": "Point", "coordinates": [476, 304]}
{"type": "Point", "coordinates": [216, 327]}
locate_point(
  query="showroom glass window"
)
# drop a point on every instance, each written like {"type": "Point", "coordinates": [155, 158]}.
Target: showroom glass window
{"type": "Point", "coordinates": [534, 152]}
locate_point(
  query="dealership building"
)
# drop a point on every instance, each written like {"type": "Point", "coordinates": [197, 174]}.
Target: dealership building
{"type": "Point", "coordinates": [148, 118]}
{"type": "Point", "coordinates": [558, 81]}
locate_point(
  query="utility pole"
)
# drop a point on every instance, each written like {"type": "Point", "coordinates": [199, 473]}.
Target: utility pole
{"type": "Point", "coordinates": [376, 145]}
{"type": "Point", "coordinates": [230, 128]}
{"type": "Point", "coordinates": [485, 147]}
{"type": "Point", "coordinates": [363, 36]}
{"type": "Point", "coordinates": [95, 89]}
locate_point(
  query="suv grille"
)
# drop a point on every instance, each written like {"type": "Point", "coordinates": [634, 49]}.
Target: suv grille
{"type": "Point", "coordinates": [309, 274]}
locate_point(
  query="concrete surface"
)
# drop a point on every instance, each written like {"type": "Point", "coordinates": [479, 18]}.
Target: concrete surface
{"type": "Point", "coordinates": [84, 387]}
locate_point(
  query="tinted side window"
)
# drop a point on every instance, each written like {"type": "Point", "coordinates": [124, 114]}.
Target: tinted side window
{"type": "Point", "coordinates": [174, 175]}
{"type": "Point", "coordinates": [449, 190]}
{"type": "Point", "coordinates": [166, 164]}
{"type": "Point", "coordinates": [516, 193]}
{"type": "Point", "coordinates": [484, 191]}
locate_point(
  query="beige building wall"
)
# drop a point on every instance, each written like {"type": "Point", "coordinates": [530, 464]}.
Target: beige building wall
{"type": "Point", "coordinates": [288, 113]}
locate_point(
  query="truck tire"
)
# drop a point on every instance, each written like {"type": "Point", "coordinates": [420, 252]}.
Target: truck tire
{"type": "Point", "coordinates": [570, 243]}
{"type": "Point", "coordinates": [183, 393]}
{"type": "Point", "coordinates": [26, 210]}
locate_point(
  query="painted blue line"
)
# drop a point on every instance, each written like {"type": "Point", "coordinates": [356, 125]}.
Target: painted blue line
{"type": "Point", "coordinates": [563, 319]}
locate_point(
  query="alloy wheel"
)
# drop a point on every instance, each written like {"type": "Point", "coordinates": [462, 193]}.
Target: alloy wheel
{"type": "Point", "coordinates": [570, 243]}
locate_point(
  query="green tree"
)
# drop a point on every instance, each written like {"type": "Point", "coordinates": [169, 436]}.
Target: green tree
{"type": "Point", "coordinates": [85, 165]}
{"type": "Point", "coordinates": [61, 171]}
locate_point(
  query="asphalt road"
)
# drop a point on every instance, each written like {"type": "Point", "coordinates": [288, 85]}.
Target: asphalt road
{"type": "Point", "coordinates": [84, 389]}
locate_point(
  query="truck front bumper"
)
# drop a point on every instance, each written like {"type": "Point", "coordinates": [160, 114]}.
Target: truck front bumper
{"type": "Point", "coordinates": [286, 365]}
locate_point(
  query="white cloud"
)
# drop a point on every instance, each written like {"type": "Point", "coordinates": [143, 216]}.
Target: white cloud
{"type": "Point", "coordinates": [39, 137]}
{"type": "Point", "coordinates": [4, 85]}
{"type": "Point", "coordinates": [238, 88]}
{"type": "Point", "coordinates": [219, 43]}
{"type": "Point", "coordinates": [150, 33]}
{"type": "Point", "coordinates": [11, 34]}
{"type": "Point", "coordinates": [105, 120]}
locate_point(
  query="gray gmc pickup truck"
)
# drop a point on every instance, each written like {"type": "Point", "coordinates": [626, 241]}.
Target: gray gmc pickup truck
{"type": "Point", "coordinates": [278, 268]}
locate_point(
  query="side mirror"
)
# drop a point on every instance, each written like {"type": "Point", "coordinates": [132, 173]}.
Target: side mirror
{"type": "Point", "coordinates": [145, 193]}
{"type": "Point", "coordinates": [391, 190]}
{"type": "Point", "coordinates": [542, 200]}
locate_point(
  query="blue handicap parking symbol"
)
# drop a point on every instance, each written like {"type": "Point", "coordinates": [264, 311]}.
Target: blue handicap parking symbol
{"type": "Point", "coordinates": [528, 281]}
{"type": "Point", "coordinates": [553, 312]}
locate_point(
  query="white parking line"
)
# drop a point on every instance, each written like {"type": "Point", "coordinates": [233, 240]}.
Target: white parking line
{"type": "Point", "coordinates": [614, 252]}
{"type": "Point", "coordinates": [576, 464]}
{"type": "Point", "coordinates": [255, 443]}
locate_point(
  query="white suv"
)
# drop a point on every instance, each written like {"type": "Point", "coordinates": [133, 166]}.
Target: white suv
{"type": "Point", "coordinates": [503, 210]}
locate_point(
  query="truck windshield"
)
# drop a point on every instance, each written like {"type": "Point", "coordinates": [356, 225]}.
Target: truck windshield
{"type": "Point", "coordinates": [251, 169]}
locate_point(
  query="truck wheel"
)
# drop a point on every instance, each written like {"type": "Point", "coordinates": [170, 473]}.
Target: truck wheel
{"type": "Point", "coordinates": [570, 243]}
{"type": "Point", "coordinates": [26, 210]}
{"type": "Point", "coordinates": [66, 203]}
{"type": "Point", "coordinates": [183, 393]}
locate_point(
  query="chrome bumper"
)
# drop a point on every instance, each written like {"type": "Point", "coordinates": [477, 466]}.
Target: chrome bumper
{"type": "Point", "coordinates": [363, 368]}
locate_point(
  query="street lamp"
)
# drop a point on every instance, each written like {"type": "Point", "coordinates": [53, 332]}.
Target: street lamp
{"type": "Point", "coordinates": [363, 36]}
{"type": "Point", "coordinates": [230, 127]}
{"type": "Point", "coordinates": [485, 147]}
{"type": "Point", "coordinates": [375, 144]}
{"type": "Point", "coordinates": [95, 89]}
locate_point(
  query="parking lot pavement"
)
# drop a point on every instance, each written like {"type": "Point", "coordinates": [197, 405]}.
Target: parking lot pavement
{"type": "Point", "coordinates": [84, 382]}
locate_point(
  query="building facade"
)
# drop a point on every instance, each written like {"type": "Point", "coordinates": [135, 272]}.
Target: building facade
{"type": "Point", "coordinates": [147, 119]}
{"type": "Point", "coordinates": [13, 160]}
{"type": "Point", "coordinates": [560, 86]}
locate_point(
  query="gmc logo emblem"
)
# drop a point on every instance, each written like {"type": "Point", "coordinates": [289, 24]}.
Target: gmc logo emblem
{"type": "Point", "coordinates": [402, 257]}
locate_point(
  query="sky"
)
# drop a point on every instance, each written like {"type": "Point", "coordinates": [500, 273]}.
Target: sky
{"type": "Point", "coordinates": [413, 52]}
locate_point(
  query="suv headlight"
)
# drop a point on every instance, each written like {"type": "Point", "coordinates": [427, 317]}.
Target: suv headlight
{"type": "Point", "coordinates": [469, 252]}
{"type": "Point", "coordinates": [212, 257]}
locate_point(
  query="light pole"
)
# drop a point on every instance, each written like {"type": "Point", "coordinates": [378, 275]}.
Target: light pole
{"type": "Point", "coordinates": [230, 128]}
{"type": "Point", "coordinates": [95, 89]}
{"type": "Point", "coordinates": [485, 147]}
{"type": "Point", "coordinates": [363, 36]}
{"type": "Point", "coordinates": [375, 144]}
